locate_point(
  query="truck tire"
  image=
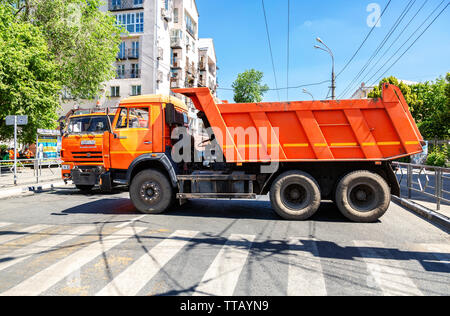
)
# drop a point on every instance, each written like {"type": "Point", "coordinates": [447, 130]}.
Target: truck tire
{"type": "Point", "coordinates": [295, 195]}
{"type": "Point", "coordinates": [363, 196]}
{"type": "Point", "coordinates": [151, 192]}
{"type": "Point", "coordinates": [85, 188]}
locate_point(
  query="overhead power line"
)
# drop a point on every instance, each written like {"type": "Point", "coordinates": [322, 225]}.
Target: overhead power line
{"type": "Point", "coordinates": [270, 48]}
{"type": "Point", "coordinates": [421, 34]}
{"type": "Point", "coordinates": [395, 41]}
{"type": "Point", "coordinates": [288, 88]}
{"type": "Point", "coordinates": [364, 41]}
{"type": "Point", "coordinates": [379, 48]}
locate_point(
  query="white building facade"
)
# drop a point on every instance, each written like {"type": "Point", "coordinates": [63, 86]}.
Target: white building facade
{"type": "Point", "coordinates": [161, 51]}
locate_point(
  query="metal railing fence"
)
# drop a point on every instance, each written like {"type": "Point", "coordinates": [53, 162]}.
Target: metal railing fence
{"type": "Point", "coordinates": [431, 182]}
{"type": "Point", "coordinates": [28, 169]}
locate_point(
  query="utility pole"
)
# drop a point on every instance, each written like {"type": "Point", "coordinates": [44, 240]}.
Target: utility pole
{"type": "Point", "coordinates": [333, 76]}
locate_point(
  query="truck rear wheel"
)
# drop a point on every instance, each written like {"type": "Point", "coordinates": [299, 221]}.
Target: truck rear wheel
{"type": "Point", "coordinates": [295, 195]}
{"type": "Point", "coordinates": [151, 192]}
{"type": "Point", "coordinates": [363, 196]}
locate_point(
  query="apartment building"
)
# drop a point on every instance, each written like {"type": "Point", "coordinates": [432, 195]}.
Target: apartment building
{"type": "Point", "coordinates": [161, 51]}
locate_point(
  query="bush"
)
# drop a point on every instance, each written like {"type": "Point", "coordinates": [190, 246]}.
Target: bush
{"type": "Point", "coordinates": [438, 157]}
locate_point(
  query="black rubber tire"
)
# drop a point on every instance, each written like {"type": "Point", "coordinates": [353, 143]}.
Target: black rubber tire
{"type": "Point", "coordinates": [306, 197]}
{"type": "Point", "coordinates": [85, 188]}
{"type": "Point", "coordinates": [375, 199]}
{"type": "Point", "coordinates": [162, 192]}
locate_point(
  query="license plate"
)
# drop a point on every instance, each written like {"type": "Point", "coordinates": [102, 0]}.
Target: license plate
{"type": "Point", "coordinates": [66, 167]}
{"type": "Point", "coordinates": [87, 142]}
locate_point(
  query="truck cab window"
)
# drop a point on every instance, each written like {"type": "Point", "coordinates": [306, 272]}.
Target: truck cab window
{"type": "Point", "coordinates": [139, 118]}
{"type": "Point", "coordinates": [122, 122]}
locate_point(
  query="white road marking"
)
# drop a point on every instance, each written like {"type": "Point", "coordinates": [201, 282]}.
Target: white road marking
{"type": "Point", "coordinates": [305, 275]}
{"type": "Point", "coordinates": [130, 221]}
{"type": "Point", "coordinates": [9, 236]}
{"type": "Point", "coordinates": [387, 273]}
{"type": "Point", "coordinates": [42, 246]}
{"type": "Point", "coordinates": [136, 276]}
{"type": "Point", "coordinates": [223, 274]}
{"type": "Point", "coordinates": [4, 224]}
{"type": "Point", "coordinates": [48, 277]}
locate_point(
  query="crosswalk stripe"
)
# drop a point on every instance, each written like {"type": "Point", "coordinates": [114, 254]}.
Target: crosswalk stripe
{"type": "Point", "coordinates": [130, 221]}
{"type": "Point", "coordinates": [387, 273]}
{"type": "Point", "coordinates": [136, 276]}
{"type": "Point", "coordinates": [9, 236]}
{"type": "Point", "coordinates": [222, 276]}
{"type": "Point", "coordinates": [48, 277]}
{"type": "Point", "coordinates": [305, 275]}
{"type": "Point", "coordinates": [42, 246]}
{"type": "Point", "coordinates": [4, 224]}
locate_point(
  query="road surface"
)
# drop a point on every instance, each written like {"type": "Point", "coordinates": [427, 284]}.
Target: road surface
{"type": "Point", "coordinates": [67, 243]}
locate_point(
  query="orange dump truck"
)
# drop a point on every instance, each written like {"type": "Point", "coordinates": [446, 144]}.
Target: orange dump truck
{"type": "Point", "coordinates": [298, 152]}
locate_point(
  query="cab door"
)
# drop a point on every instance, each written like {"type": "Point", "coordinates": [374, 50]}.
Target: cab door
{"type": "Point", "coordinates": [131, 137]}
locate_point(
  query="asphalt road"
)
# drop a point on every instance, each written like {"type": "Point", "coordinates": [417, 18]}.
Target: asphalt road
{"type": "Point", "coordinates": [67, 243]}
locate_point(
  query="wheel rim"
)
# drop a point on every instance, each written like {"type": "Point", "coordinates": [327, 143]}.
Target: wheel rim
{"type": "Point", "coordinates": [150, 192]}
{"type": "Point", "coordinates": [362, 197]}
{"type": "Point", "coordinates": [295, 196]}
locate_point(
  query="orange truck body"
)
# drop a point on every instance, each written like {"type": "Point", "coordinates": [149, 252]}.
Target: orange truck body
{"type": "Point", "coordinates": [324, 150]}
{"type": "Point", "coordinates": [345, 130]}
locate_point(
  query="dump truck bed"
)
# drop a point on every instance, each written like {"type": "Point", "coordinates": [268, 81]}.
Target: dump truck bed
{"type": "Point", "coordinates": [344, 130]}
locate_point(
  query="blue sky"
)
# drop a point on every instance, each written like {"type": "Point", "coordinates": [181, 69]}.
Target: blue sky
{"type": "Point", "coordinates": [238, 29]}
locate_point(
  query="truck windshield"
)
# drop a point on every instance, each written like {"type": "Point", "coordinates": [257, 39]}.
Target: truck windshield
{"type": "Point", "coordinates": [89, 124]}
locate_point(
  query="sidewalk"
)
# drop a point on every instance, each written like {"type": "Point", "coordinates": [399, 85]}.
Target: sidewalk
{"type": "Point", "coordinates": [27, 176]}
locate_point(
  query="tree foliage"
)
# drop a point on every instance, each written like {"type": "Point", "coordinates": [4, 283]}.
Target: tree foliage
{"type": "Point", "coordinates": [28, 77]}
{"type": "Point", "coordinates": [429, 103]}
{"type": "Point", "coordinates": [83, 40]}
{"type": "Point", "coordinates": [248, 87]}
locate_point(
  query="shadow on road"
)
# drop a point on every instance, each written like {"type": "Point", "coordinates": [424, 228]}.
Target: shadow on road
{"type": "Point", "coordinates": [111, 204]}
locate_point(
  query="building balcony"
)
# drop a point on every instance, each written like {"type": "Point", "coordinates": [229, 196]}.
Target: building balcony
{"type": "Point", "coordinates": [128, 74]}
{"type": "Point", "coordinates": [176, 43]}
{"type": "Point", "coordinates": [120, 5]}
{"type": "Point", "coordinates": [128, 54]}
{"type": "Point", "coordinates": [175, 83]}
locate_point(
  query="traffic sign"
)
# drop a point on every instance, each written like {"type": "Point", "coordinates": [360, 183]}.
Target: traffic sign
{"type": "Point", "coordinates": [21, 120]}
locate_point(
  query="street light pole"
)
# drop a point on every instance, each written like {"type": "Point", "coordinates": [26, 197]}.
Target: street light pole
{"type": "Point", "coordinates": [333, 76]}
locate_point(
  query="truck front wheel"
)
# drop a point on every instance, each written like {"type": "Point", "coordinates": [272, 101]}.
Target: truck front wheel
{"type": "Point", "coordinates": [295, 195]}
{"type": "Point", "coordinates": [363, 196]}
{"type": "Point", "coordinates": [151, 192]}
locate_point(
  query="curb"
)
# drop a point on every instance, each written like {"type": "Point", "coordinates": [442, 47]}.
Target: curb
{"type": "Point", "coordinates": [28, 190]}
{"type": "Point", "coordinates": [423, 211]}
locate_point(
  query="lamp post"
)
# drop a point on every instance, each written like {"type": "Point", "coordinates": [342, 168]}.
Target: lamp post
{"type": "Point", "coordinates": [333, 76]}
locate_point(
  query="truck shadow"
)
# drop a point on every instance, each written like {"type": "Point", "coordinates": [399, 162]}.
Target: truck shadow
{"type": "Point", "coordinates": [231, 209]}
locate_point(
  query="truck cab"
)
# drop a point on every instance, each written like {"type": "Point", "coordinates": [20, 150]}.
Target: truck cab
{"type": "Point", "coordinates": [82, 144]}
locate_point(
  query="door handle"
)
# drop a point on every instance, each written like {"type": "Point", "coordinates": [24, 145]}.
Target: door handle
{"type": "Point", "coordinates": [148, 143]}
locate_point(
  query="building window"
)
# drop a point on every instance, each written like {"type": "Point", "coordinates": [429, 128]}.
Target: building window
{"type": "Point", "coordinates": [138, 2]}
{"type": "Point", "coordinates": [120, 71]}
{"type": "Point", "coordinates": [135, 50]}
{"type": "Point", "coordinates": [122, 48]}
{"type": "Point", "coordinates": [132, 22]}
{"type": "Point", "coordinates": [191, 26]}
{"type": "Point", "coordinates": [175, 15]}
{"type": "Point", "coordinates": [136, 90]}
{"type": "Point", "coordinates": [115, 92]}
{"type": "Point", "coordinates": [135, 73]}
{"type": "Point", "coordinates": [117, 3]}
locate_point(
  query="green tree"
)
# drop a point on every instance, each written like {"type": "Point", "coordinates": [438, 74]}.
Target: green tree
{"type": "Point", "coordinates": [83, 40]}
{"type": "Point", "coordinates": [429, 105]}
{"type": "Point", "coordinates": [248, 87]}
{"type": "Point", "coordinates": [29, 83]}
